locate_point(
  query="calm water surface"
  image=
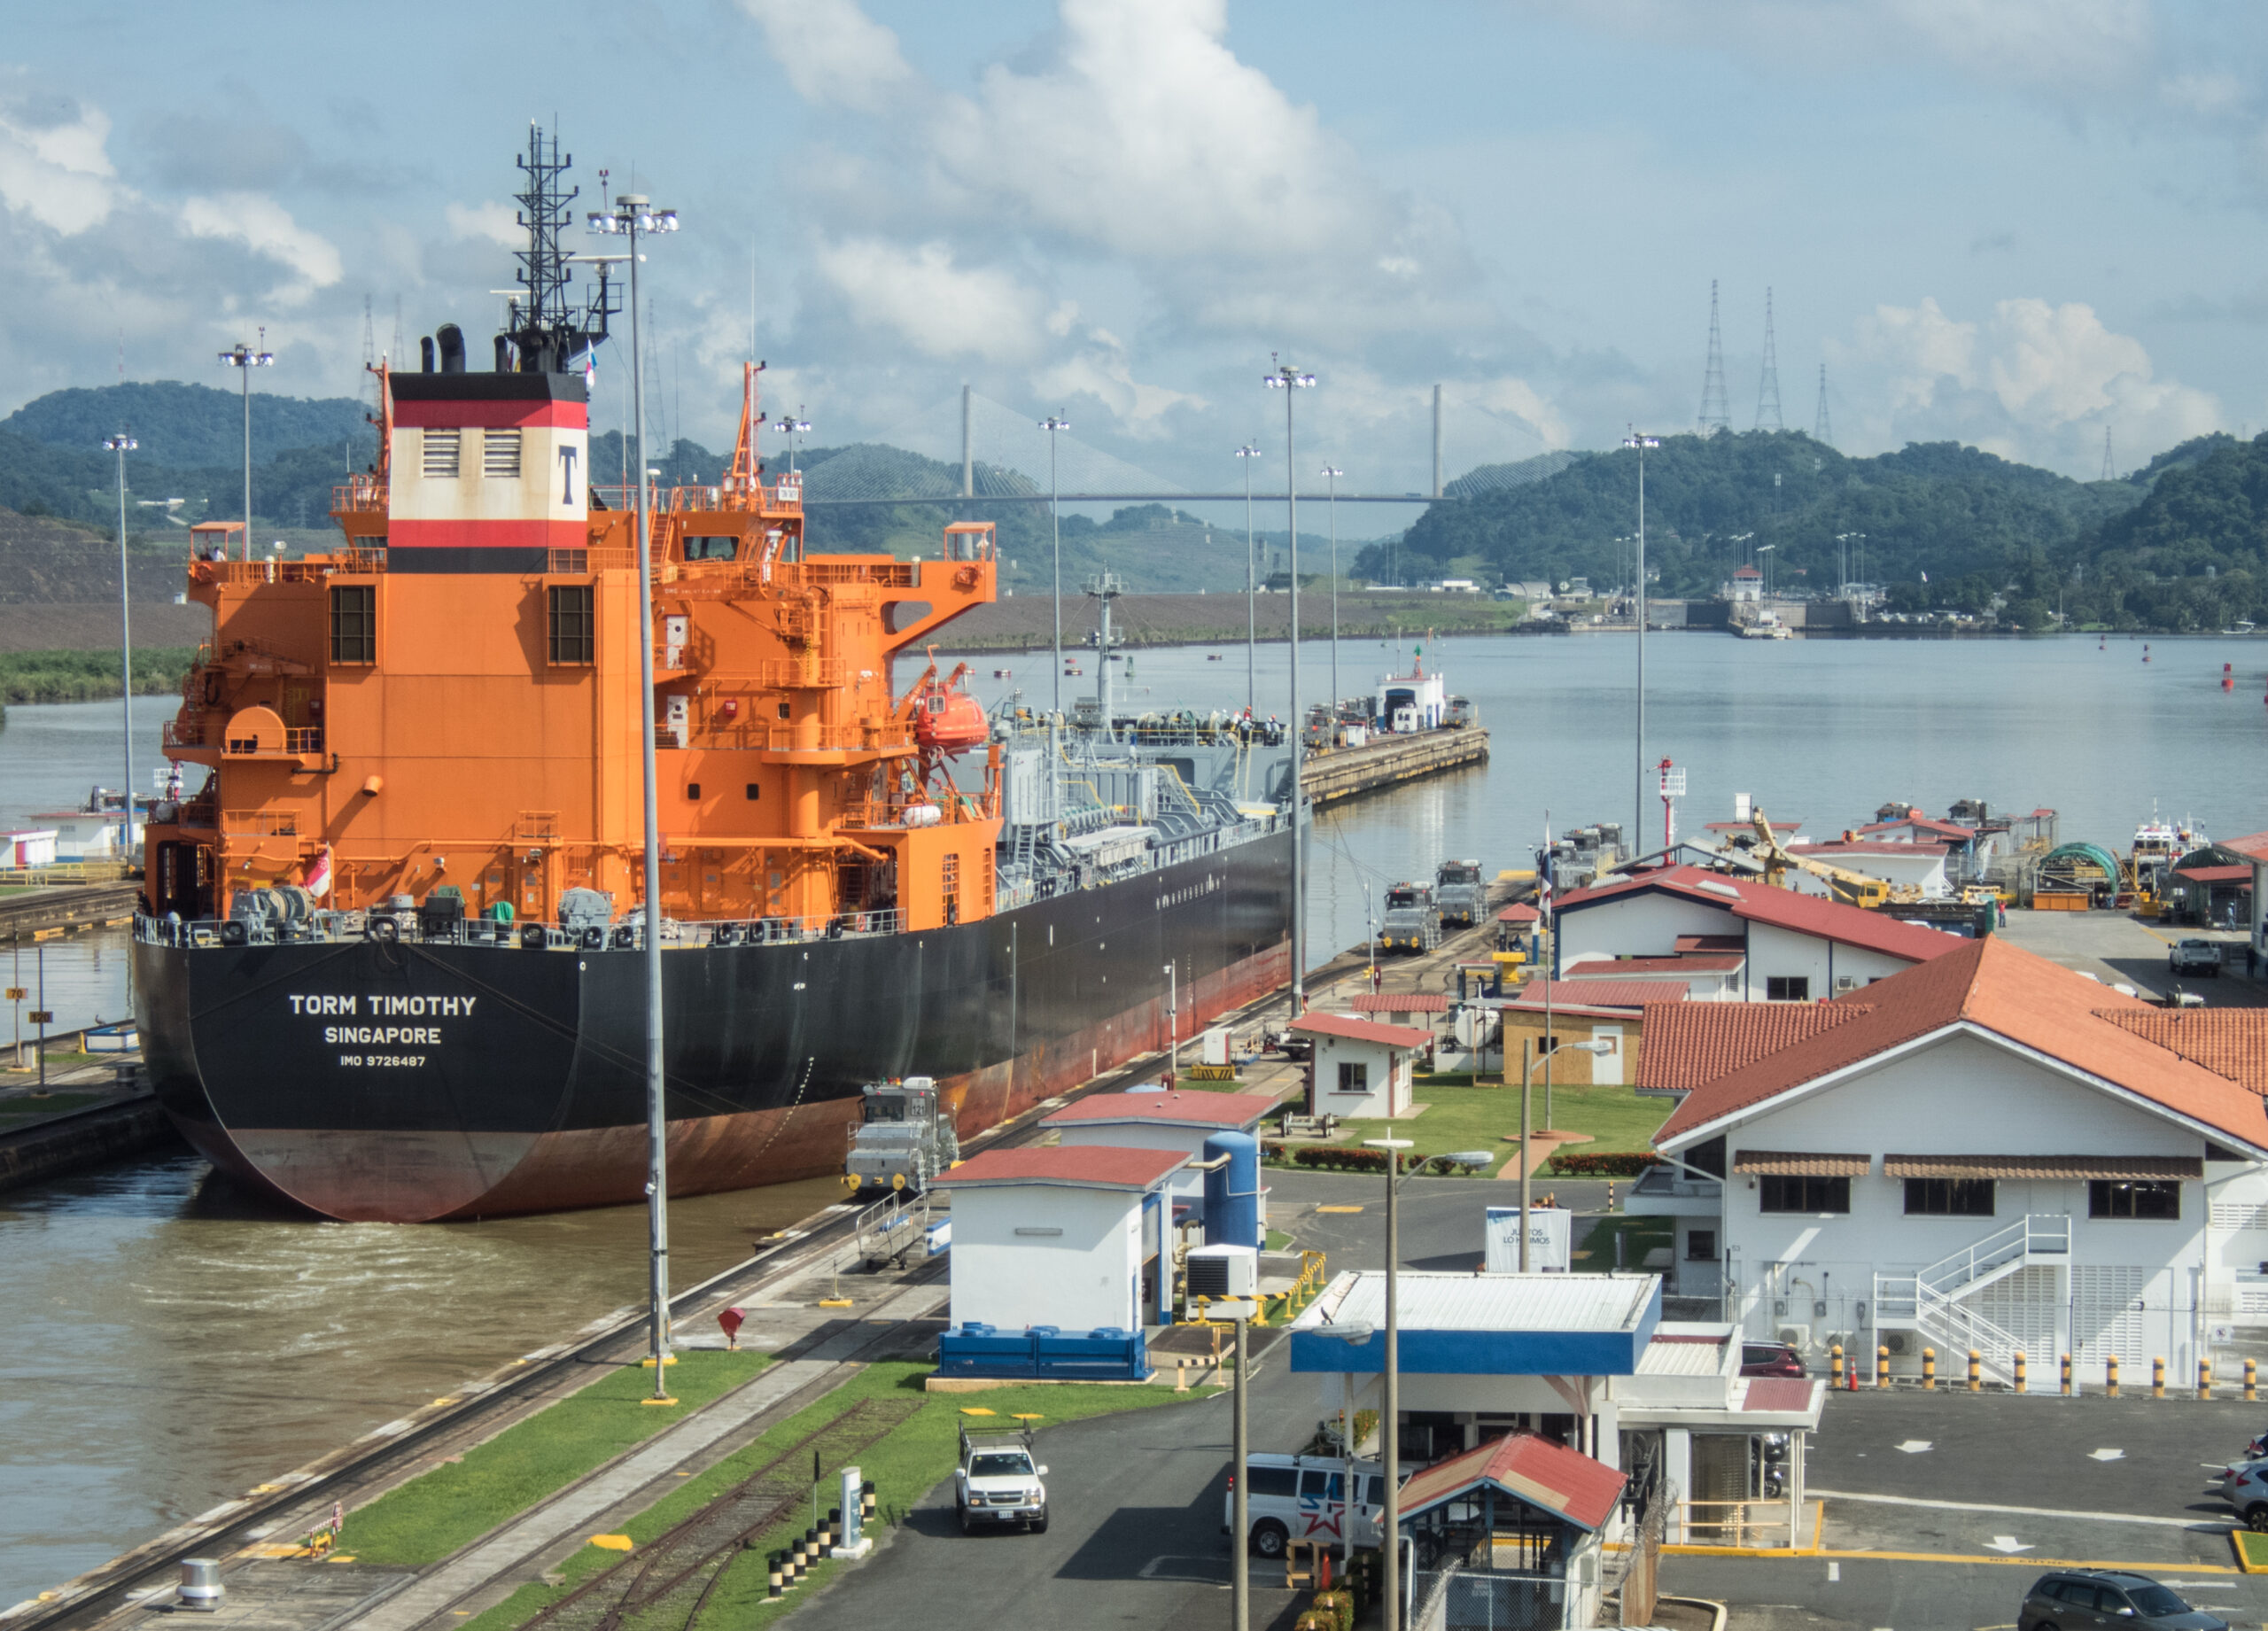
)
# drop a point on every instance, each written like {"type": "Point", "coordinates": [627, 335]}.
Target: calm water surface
{"type": "Point", "coordinates": [164, 1345]}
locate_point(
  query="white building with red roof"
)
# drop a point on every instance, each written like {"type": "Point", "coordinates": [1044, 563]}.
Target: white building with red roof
{"type": "Point", "coordinates": [1361, 1068]}
{"type": "Point", "coordinates": [1150, 1120]}
{"type": "Point", "coordinates": [1986, 1151]}
{"type": "Point", "coordinates": [1792, 947]}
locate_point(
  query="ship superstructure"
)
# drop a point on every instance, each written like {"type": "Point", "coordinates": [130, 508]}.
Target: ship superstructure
{"type": "Point", "coordinates": [378, 965]}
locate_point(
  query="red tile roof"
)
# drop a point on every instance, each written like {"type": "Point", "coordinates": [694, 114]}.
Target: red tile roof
{"type": "Point", "coordinates": [1923, 823]}
{"type": "Point", "coordinates": [2228, 1042]}
{"type": "Point", "coordinates": [2252, 843]}
{"type": "Point", "coordinates": [1518, 912]}
{"type": "Point", "coordinates": [1082, 1165]}
{"type": "Point", "coordinates": [1178, 1109]}
{"type": "Point", "coordinates": [2216, 874]}
{"type": "Point", "coordinates": [1837, 847]}
{"type": "Point", "coordinates": [1598, 993]}
{"type": "Point", "coordinates": [1782, 828]}
{"type": "Point", "coordinates": [1401, 1002]}
{"type": "Point", "coordinates": [1684, 962]}
{"type": "Point", "coordinates": [1562, 1481]}
{"type": "Point", "coordinates": [1695, 1043]}
{"type": "Point", "coordinates": [1362, 1030]}
{"type": "Point", "coordinates": [1758, 902]}
{"type": "Point", "coordinates": [2007, 992]}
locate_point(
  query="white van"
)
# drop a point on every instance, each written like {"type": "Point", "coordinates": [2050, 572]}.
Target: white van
{"type": "Point", "coordinates": [1304, 1498]}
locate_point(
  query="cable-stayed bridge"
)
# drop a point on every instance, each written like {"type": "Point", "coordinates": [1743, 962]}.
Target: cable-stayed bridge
{"type": "Point", "coordinates": [972, 447]}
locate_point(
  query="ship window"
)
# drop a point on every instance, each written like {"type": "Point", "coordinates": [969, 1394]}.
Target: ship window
{"type": "Point", "coordinates": [754, 792]}
{"type": "Point", "coordinates": [354, 623]}
{"type": "Point", "coordinates": [693, 789]}
{"type": "Point", "coordinates": [499, 454]}
{"type": "Point", "coordinates": [574, 635]}
{"type": "Point", "coordinates": [442, 453]}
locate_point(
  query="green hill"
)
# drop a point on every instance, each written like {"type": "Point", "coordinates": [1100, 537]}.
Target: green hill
{"type": "Point", "coordinates": [2192, 553]}
{"type": "Point", "coordinates": [185, 426]}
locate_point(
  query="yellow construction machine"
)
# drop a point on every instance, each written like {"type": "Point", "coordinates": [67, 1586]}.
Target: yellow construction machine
{"type": "Point", "coordinates": [1852, 889]}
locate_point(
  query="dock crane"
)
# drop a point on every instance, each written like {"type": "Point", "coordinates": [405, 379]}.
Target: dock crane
{"type": "Point", "coordinates": [1852, 889]}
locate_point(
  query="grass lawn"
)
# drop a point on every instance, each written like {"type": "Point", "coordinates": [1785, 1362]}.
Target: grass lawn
{"type": "Point", "coordinates": [430, 1517]}
{"type": "Point", "coordinates": [1594, 1251]}
{"type": "Point", "coordinates": [54, 1104]}
{"type": "Point", "coordinates": [1463, 1117]}
{"type": "Point", "coordinates": [904, 1465]}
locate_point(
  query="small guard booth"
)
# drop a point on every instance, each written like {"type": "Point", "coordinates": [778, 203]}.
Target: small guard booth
{"type": "Point", "coordinates": [1048, 1259]}
{"type": "Point", "coordinates": [1185, 1122]}
{"type": "Point", "coordinates": [1508, 1535]}
{"type": "Point", "coordinates": [1361, 1068]}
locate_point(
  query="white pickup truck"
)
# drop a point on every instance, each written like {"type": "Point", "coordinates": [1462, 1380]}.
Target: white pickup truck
{"type": "Point", "coordinates": [996, 1483]}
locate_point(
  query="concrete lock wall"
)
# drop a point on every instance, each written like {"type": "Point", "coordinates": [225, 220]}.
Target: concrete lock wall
{"type": "Point", "coordinates": [1088, 1274]}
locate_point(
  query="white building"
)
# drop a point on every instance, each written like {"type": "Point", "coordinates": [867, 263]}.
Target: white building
{"type": "Point", "coordinates": [1057, 1237]}
{"type": "Point", "coordinates": [30, 847]}
{"type": "Point", "coordinates": [1987, 1151]}
{"type": "Point", "coordinates": [1179, 1122]}
{"type": "Point", "coordinates": [1361, 1068]}
{"type": "Point", "coordinates": [1792, 947]}
{"type": "Point", "coordinates": [1416, 701]}
{"type": "Point", "coordinates": [1918, 866]}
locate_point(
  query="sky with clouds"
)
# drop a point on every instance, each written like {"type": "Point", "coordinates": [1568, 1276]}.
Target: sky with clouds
{"type": "Point", "coordinates": [2012, 222]}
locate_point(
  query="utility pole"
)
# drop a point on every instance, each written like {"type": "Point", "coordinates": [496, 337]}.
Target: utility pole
{"type": "Point", "coordinates": [1053, 423]}
{"type": "Point", "coordinates": [968, 449]}
{"type": "Point", "coordinates": [1291, 382]}
{"type": "Point", "coordinates": [1768, 388]}
{"type": "Point", "coordinates": [1247, 453]}
{"type": "Point", "coordinates": [243, 358]}
{"type": "Point", "coordinates": [1437, 441]}
{"type": "Point", "coordinates": [1821, 431]}
{"type": "Point", "coordinates": [1641, 442]}
{"type": "Point", "coordinates": [121, 445]}
{"type": "Point", "coordinates": [1331, 473]}
{"type": "Point", "coordinates": [1716, 411]}
{"type": "Point", "coordinates": [1390, 1415]}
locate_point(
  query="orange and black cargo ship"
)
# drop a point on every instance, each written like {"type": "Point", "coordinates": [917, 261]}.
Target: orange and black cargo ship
{"type": "Point", "coordinates": [383, 967]}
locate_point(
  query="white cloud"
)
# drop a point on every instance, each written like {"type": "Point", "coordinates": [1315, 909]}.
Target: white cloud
{"type": "Point", "coordinates": [497, 223]}
{"type": "Point", "coordinates": [833, 52]}
{"type": "Point", "coordinates": [1103, 371]}
{"type": "Point", "coordinates": [266, 229]}
{"type": "Point", "coordinates": [943, 309]}
{"type": "Point", "coordinates": [58, 172]}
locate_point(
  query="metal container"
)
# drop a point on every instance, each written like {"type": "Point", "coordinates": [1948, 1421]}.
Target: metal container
{"type": "Point", "coordinates": [200, 1584]}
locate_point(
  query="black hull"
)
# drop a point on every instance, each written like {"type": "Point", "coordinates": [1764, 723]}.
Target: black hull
{"type": "Point", "coordinates": [494, 1079]}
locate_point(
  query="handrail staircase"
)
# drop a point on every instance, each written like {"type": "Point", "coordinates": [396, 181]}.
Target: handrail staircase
{"type": "Point", "coordinates": [1934, 1300]}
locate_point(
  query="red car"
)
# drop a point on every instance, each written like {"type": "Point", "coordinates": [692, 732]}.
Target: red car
{"type": "Point", "coordinates": [1770, 1359]}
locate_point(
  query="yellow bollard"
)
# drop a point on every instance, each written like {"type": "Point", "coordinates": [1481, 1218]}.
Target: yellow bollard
{"type": "Point", "coordinates": [2110, 1375]}
{"type": "Point", "coordinates": [2158, 1376]}
{"type": "Point", "coordinates": [1929, 1370]}
{"type": "Point", "coordinates": [2204, 1378]}
{"type": "Point", "coordinates": [1881, 1367]}
{"type": "Point", "coordinates": [1976, 1371]}
{"type": "Point", "coordinates": [2067, 1376]}
{"type": "Point", "coordinates": [1835, 1366]}
{"type": "Point", "coordinates": [2019, 1370]}
{"type": "Point", "coordinates": [2251, 1379]}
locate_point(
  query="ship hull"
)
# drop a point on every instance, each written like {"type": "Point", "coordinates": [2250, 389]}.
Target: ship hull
{"type": "Point", "coordinates": [402, 1081]}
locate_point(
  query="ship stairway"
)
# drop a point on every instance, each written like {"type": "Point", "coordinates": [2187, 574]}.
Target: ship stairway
{"type": "Point", "coordinates": [894, 1229]}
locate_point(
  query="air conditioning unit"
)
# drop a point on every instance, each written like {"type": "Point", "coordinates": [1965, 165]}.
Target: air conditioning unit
{"type": "Point", "coordinates": [1224, 1271]}
{"type": "Point", "coordinates": [1846, 983]}
{"type": "Point", "coordinates": [1796, 1336]}
{"type": "Point", "coordinates": [1843, 1339]}
{"type": "Point", "coordinates": [1899, 1342]}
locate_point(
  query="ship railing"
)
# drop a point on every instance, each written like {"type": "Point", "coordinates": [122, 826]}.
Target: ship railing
{"type": "Point", "coordinates": [241, 572]}
{"type": "Point", "coordinates": [521, 934]}
{"type": "Point", "coordinates": [194, 732]}
{"type": "Point", "coordinates": [575, 563]}
{"type": "Point", "coordinates": [782, 495]}
{"type": "Point", "coordinates": [359, 493]}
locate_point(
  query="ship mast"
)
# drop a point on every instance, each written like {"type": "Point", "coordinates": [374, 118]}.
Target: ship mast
{"type": "Point", "coordinates": [545, 334]}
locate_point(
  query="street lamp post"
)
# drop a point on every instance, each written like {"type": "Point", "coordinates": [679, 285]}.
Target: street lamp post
{"type": "Point", "coordinates": [794, 427]}
{"type": "Point", "coordinates": [1247, 454]}
{"type": "Point", "coordinates": [1052, 424]}
{"type": "Point", "coordinates": [1761, 551]}
{"type": "Point", "coordinates": [632, 216]}
{"type": "Point", "coordinates": [1331, 473]}
{"type": "Point", "coordinates": [1390, 1407]}
{"type": "Point", "coordinates": [121, 445]}
{"type": "Point", "coordinates": [1291, 381]}
{"type": "Point", "coordinates": [1638, 818]}
{"type": "Point", "coordinates": [245, 358]}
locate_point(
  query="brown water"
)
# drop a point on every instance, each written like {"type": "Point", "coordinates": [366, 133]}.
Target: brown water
{"type": "Point", "coordinates": [169, 1343]}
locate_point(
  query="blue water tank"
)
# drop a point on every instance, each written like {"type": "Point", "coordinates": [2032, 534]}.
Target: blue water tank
{"type": "Point", "coordinates": [1232, 1190]}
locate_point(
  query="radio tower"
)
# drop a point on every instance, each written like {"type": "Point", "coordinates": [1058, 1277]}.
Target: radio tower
{"type": "Point", "coordinates": [2106, 455]}
{"type": "Point", "coordinates": [1767, 389]}
{"type": "Point", "coordinates": [1716, 410]}
{"type": "Point", "coordinates": [1821, 430]}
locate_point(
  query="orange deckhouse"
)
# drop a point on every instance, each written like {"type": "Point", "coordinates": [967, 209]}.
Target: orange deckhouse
{"type": "Point", "coordinates": [379, 966]}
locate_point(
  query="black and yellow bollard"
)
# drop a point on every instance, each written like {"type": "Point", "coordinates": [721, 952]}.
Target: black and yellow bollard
{"type": "Point", "coordinates": [1882, 1366]}
{"type": "Point", "coordinates": [775, 1582]}
{"type": "Point", "coordinates": [1929, 1370]}
{"type": "Point", "coordinates": [795, 1562]}
{"type": "Point", "coordinates": [2019, 1370]}
{"type": "Point", "coordinates": [1835, 1366]}
{"type": "Point", "coordinates": [2110, 1377]}
{"type": "Point", "coordinates": [2251, 1383]}
{"type": "Point", "coordinates": [866, 1500]}
{"type": "Point", "coordinates": [2204, 1378]}
{"type": "Point", "coordinates": [2158, 1376]}
{"type": "Point", "coordinates": [2067, 1376]}
{"type": "Point", "coordinates": [1976, 1371]}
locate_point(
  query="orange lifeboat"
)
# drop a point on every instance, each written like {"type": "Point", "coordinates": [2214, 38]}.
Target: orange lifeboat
{"type": "Point", "coordinates": [950, 722]}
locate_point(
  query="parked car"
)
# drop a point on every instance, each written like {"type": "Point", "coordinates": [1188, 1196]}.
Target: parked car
{"type": "Point", "coordinates": [1304, 1498]}
{"type": "Point", "coordinates": [996, 1483]}
{"type": "Point", "coordinates": [1770, 1359]}
{"type": "Point", "coordinates": [2072, 1598]}
{"type": "Point", "coordinates": [2194, 956]}
{"type": "Point", "coordinates": [2244, 1486]}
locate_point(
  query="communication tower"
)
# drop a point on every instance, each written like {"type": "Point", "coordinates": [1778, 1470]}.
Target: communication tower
{"type": "Point", "coordinates": [1716, 409]}
{"type": "Point", "coordinates": [1768, 388]}
{"type": "Point", "coordinates": [1821, 430]}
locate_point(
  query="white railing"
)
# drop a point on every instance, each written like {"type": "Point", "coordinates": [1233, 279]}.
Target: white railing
{"type": "Point", "coordinates": [2000, 1254]}
{"type": "Point", "coordinates": [1933, 1301]}
{"type": "Point", "coordinates": [1956, 1329]}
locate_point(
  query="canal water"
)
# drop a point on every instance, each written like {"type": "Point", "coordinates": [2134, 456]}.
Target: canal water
{"type": "Point", "coordinates": [166, 1344]}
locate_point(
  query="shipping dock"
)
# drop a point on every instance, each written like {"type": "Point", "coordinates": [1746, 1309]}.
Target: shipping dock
{"type": "Point", "coordinates": [1410, 727]}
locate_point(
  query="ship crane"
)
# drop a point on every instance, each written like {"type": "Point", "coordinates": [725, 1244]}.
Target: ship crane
{"type": "Point", "coordinates": [1852, 889]}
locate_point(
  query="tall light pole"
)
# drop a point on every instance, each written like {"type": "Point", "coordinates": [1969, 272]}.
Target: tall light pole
{"type": "Point", "coordinates": [121, 445]}
{"type": "Point", "coordinates": [245, 358]}
{"type": "Point", "coordinates": [794, 427]}
{"type": "Point", "coordinates": [1052, 424]}
{"type": "Point", "coordinates": [1247, 453]}
{"type": "Point", "coordinates": [1761, 551]}
{"type": "Point", "coordinates": [1331, 473]}
{"type": "Point", "coordinates": [1390, 1410]}
{"type": "Point", "coordinates": [1291, 382]}
{"type": "Point", "coordinates": [633, 217]}
{"type": "Point", "coordinates": [1638, 818]}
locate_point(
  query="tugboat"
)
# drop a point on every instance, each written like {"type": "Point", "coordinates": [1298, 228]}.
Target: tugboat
{"type": "Point", "coordinates": [385, 964]}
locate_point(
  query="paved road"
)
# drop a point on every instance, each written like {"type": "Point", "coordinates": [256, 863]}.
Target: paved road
{"type": "Point", "coordinates": [2114, 947]}
{"type": "Point", "coordinates": [1957, 1530]}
